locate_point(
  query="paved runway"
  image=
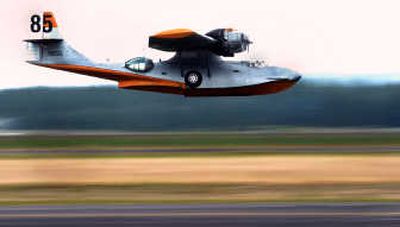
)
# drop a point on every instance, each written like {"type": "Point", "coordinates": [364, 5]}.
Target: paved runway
{"type": "Point", "coordinates": [307, 215]}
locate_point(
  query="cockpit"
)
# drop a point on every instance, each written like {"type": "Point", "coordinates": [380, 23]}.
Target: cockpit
{"type": "Point", "coordinates": [255, 64]}
{"type": "Point", "coordinates": [139, 64]}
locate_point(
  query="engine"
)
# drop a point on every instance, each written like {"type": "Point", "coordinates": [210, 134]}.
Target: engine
{"type": "Point", "coordinates": [229, 42]}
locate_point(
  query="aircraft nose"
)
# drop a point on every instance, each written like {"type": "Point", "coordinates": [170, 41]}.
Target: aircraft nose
{"type": "Point", "coordinates": [296, 77]}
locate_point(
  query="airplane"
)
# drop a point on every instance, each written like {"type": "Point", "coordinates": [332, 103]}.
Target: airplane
{"type": "Point", "coordinates": [197, 69]}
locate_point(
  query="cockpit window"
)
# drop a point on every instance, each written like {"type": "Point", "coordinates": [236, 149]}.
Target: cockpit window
{"type": "Point", "coordinates": [256, 64]}
{"type": "Point", "coordinates": [140, 64]}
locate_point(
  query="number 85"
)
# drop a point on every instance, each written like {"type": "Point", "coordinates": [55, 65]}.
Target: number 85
{"type": "Point", "coordinates": [36, 25]}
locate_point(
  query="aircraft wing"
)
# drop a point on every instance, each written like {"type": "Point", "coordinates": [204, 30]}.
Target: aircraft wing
{"type": "Point", "coordinates": [180, 40]}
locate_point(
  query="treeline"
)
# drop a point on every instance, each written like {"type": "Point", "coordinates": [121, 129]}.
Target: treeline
{"type": "Point", "coordinates": [107, 108]}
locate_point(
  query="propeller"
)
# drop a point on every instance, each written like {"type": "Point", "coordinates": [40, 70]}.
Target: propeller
{"type": "Point", "coordinates": [247, 42]}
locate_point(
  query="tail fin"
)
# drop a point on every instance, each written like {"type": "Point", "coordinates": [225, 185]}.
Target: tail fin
{"type": "Point", "coordinates": [50, 27]}
{"type": "Point", "coordinates": [50, 48]}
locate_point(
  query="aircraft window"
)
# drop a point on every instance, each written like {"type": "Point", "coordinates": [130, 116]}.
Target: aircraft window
{"type": "Point", "coordinates": [256, 64]}
{"type": "Point", "coordinates": [140, 64]}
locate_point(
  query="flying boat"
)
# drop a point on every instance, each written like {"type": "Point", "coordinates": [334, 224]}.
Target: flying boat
{"type": "Point", "coordinates": [198, 67]}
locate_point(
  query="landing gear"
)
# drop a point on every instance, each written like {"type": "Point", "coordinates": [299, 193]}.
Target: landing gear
{"type": "Point", "coordinates": [193, 79]}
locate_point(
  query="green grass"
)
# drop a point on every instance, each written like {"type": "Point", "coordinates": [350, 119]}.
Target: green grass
{"type": "Point", "coordinates": [195, 140]}
{"type": "Point", "coordinates": [196, 193]}
{"type": "Point", "coordinates": [172, 155]}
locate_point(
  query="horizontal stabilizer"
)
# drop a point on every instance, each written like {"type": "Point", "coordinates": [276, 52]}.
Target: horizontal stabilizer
{"type": "Point", "coordinates": [43, 41]}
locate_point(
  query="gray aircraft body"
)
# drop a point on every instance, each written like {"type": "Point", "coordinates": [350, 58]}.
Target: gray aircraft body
{"type": "Point", "coordinates": [197, 69]}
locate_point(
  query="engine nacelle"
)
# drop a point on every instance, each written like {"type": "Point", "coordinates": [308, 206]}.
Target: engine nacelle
{"type": "Point", "coordinates": [236, 42]}
{"type": "Point", "coordinates": [230, 42]}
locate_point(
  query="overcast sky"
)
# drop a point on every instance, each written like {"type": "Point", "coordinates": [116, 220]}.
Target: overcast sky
{"type": "Point", "coordinates": [333, 37]}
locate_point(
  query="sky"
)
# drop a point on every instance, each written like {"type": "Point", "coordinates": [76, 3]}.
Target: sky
{"type": "Point", "coordinates": [325, 39]}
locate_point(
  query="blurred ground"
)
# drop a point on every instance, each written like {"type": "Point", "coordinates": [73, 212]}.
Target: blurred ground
{"type": "Point", "coordinates": [200, 168]}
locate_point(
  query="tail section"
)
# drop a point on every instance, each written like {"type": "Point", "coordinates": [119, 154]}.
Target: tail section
{"type": "Point", "coordinates": [50, 48]}
{"type": "Point", "coordinates": [50, 25]}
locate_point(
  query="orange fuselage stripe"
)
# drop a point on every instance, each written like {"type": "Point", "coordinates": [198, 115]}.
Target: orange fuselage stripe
{"type": "Point", "coordinates": [140, 82]}
{"type": "Point", "coordinates": [124, 78]}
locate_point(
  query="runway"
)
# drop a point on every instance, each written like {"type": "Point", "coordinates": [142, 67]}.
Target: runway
{"type": "Point", "coordinates": [307, 215]}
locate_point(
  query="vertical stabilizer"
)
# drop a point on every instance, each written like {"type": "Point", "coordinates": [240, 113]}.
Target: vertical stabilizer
{"type": "Point", "coordinates": [50, 48]}
{"type": "Point", "coordinates": [50, 27]}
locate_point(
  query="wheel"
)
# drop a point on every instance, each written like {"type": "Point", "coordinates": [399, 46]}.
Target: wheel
{"type": "Point", "coordinates": [193, 79]}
